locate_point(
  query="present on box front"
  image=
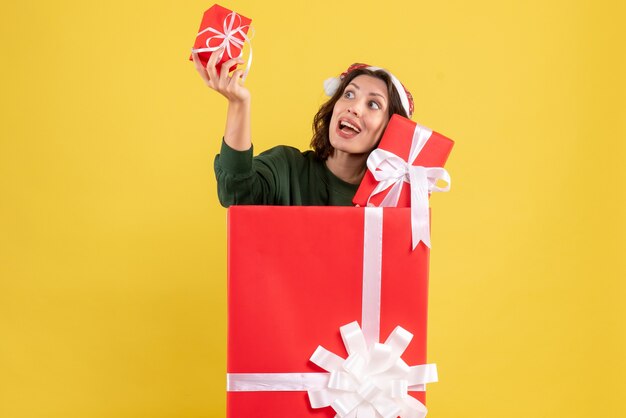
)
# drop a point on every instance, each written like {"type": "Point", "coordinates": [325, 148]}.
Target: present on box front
{"type": "Point", "coordinates": [404, 169]}
{"type": "Point", "coordinates": [221, 27]}
{"type": "Point", "coordinates": [298, 275]}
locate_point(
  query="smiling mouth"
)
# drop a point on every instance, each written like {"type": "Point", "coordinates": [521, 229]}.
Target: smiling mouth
{"type": "Point", "coordinates": [347, 129]}
{"type": "Point", "coordinates": [346, 126]}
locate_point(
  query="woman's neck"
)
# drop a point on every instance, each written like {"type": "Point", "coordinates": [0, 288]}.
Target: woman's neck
{"type": "Point", "coordinates": [348, 167]}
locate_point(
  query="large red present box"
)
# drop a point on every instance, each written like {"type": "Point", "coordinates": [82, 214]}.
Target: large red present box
{"type": "Point", "coordinates": [295, 276]}
{"type": "Point", "coordinates": [400, 136]}
{"type": "Point", "coordinates": [221, 27]}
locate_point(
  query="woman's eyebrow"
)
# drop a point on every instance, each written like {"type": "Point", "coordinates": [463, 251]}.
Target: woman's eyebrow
{"type": "Point", "coordinates": [379, 95]}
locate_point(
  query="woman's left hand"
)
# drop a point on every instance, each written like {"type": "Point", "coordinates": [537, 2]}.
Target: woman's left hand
{"type": "Point", "coordinates": [227, 85]}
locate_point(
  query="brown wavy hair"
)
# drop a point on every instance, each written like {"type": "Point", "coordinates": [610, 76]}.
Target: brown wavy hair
{"type": "Point", "coordinates": [321, 122]}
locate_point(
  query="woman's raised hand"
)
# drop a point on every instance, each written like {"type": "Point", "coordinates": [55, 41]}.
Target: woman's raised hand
{"type": "Point", "coordinates": [237, 132]}
{"type": "Point", "coordinates": [227, 85]}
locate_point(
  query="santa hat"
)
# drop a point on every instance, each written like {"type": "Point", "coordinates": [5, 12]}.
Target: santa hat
{"type": "Point", "coordinates": [332, 84]}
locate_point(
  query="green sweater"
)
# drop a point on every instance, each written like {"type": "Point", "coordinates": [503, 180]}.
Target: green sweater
{"type": "Point", "coordinates": [280, 176]}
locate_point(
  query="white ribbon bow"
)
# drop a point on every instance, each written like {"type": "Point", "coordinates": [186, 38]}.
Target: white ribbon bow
{"type": "Point", "coordinates": [229, 38]}
{"type": "Point", "coordinates": [392, 171]}
{"type": "Point", "coordinates": [371, 383]}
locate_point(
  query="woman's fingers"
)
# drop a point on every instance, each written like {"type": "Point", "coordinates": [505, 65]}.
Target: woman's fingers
{"type": "Point", "coordinates": [233, 83]}
{"type": "Point", "coordinates": [224, 73]}
{"type": "Point", "coordinates": [199, 67]}
{"type": "Point", "coordinates": [210, 67]}
{"type": "Point", "coordinates": [222, 82]}
{"type": "Point", "coordinates": [216, 56]}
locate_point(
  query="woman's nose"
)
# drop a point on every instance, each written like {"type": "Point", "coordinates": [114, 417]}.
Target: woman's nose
{"type": "Point", "coordinates": [355, 109]}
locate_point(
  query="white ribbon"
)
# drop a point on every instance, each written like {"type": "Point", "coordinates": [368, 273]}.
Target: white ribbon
{"type": "Point", "coordinates": [392, 171]}
{"type": "Point", "coordinates": [275, 382]}
{"type": "Point", "coordinates": [229, 38]}
{"type": "Point", "coordinates": [372, 274]}
{"type": "Point", "coordinates": [373, 381]}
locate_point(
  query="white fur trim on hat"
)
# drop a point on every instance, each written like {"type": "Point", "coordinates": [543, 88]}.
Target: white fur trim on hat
{"type": "Point", "coordinates": [331, 85]}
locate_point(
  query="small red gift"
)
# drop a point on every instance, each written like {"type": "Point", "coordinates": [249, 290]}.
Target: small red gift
{"type": "Point", "coordinates": [404, 169]}
{"type": "Point", "coordinates": [221, 27]}
{"type": "Point", "coordinates": [298, 274]}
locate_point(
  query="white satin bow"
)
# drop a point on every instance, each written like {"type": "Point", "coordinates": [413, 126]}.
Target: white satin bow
{"type": "Point", "coordinates": [371, 382]}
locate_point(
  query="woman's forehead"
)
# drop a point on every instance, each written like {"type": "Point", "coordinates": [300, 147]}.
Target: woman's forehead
{"type": "Point", "coordinates": [369, 84]}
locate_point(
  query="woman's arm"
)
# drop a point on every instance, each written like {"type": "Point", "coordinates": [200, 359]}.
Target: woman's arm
{"type": "Point", "coordinates": [237, 132]}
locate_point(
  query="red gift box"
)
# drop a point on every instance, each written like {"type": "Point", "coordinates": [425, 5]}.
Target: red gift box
{"type": "Point", "coordinates": [295, 276]}
{"type": "Point", "coordinates": [221, 27]}
{"type": "Point", "coordinates": [398, 139]}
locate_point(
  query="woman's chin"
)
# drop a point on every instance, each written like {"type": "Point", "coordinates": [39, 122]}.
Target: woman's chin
{"type": "Point", "coordinates": [349, 146]}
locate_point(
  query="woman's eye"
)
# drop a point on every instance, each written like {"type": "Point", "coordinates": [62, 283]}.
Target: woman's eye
{"type": "Point", "coordinates": [348, 95]}
{"type": "Point", "coordinates": [374, 105]}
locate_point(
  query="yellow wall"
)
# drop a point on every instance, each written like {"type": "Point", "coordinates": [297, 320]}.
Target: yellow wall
{"type": "Point", "coordinates": [112, 242]}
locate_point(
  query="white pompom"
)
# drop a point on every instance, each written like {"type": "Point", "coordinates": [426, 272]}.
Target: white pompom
{"type": "Point", "coordinates": [331, 85]}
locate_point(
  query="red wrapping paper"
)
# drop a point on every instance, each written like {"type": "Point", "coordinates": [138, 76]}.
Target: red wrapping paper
{"type": "Point", "coordinates": [215, 17]}
{"type": "Point", "coordinates": [295, 277]}
{"type": "Point", "coordinates": [397, 139]}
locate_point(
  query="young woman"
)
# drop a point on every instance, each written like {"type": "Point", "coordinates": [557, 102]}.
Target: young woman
{"type": "Point", "coordinates": [345, 130]}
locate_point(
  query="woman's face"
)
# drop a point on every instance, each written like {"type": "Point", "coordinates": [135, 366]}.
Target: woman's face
{"type": "Point", "coordinates": [360, 115]}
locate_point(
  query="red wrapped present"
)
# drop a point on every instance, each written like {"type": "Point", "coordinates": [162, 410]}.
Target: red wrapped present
{"type": "Point", "coordinates": [296, 275]}
{"type": "Point", "coordinates": [404, 169]}
{"type": "Point", "coordinates": [222, 27]}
